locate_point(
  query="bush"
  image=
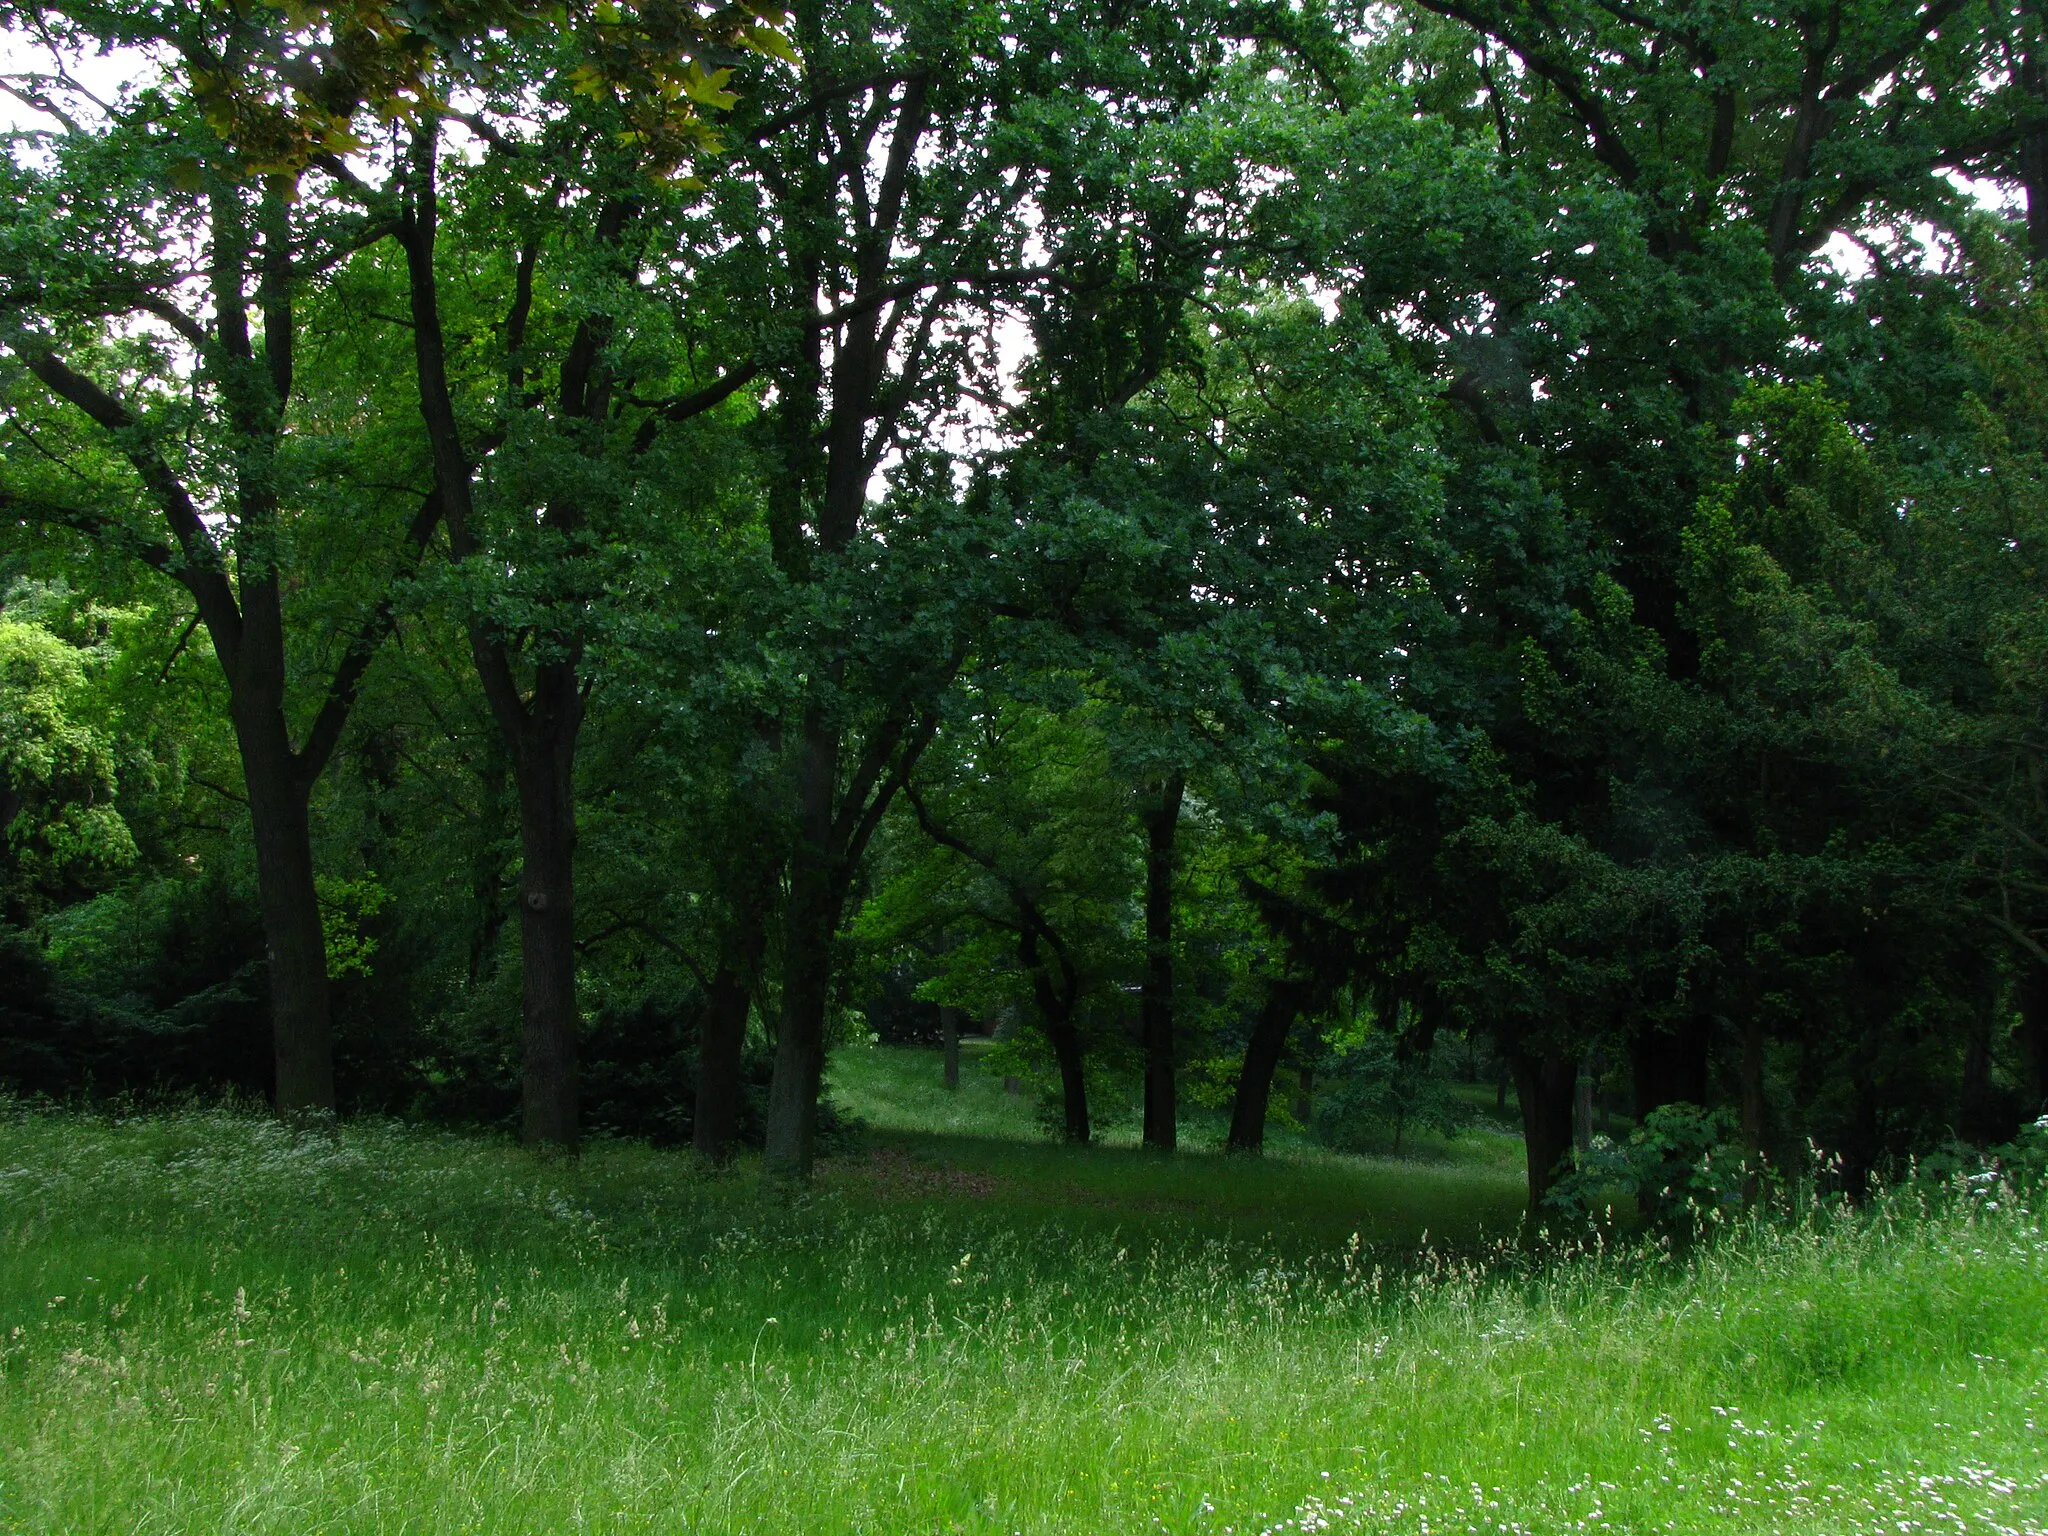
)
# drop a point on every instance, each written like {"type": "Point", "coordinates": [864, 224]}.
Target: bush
{"type": "Point", "coordinates": [1677, 1168]}
{"type": "Point", "coordinates": [158, 988]}
{"type": "Point", "coordinates": [1380, 1096]}
{"type": "Point", "coordinates": [2027, 1153]}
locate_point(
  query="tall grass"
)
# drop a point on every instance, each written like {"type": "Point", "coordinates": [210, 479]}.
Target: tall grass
{"type": "Point", "coordinates": [208, 1325]}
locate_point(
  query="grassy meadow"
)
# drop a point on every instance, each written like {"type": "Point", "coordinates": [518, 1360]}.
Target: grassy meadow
{"type": "Point", "coordinates": [207, 1324]}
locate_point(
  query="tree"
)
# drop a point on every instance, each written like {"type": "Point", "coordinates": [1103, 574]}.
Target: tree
{"type": "Point", "coordinates": [60, 766]}
{"type": "Point", "coordinates": [177, 437]}
{"type": "Point", "coordinates": [1028, 828]}
{"type": "Point", "coordinates": [529, 484]}
{"type": "Point", "coordinates": [883, 224]}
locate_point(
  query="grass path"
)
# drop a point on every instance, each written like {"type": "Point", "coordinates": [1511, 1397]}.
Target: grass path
{"type": "Point", "coordinates": [208, 1327]}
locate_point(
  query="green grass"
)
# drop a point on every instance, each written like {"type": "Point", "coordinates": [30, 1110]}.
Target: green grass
{"type": "Point", "coordinates": [980, 1144]}
{"type": "Point", "coordinates": [206, 1325]}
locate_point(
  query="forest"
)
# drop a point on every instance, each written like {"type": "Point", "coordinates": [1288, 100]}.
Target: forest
{"type": "Point", "coordinates": [666, 599]}
{"type": "Point", "coordinates": [555, 570]}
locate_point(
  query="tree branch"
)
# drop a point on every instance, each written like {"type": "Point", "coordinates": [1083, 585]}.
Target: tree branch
{"type": "Point", "coordinates": [1608, 147]}
{"type": "Point", "coordinates": [683, 407]}
{"type": "Point", "coordinates": [96, 526]}
{"type": "Point", "coordinates": [199, 569]}
{"type": "Point", "coordinates": [342, 689]}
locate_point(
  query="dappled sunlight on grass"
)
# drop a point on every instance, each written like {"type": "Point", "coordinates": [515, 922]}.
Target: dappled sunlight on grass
{"type": "Point", "coordinates": [902, 1089]}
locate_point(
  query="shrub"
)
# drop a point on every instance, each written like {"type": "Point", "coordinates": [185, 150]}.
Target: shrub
{"type": "Point", "coordinates": [1380, 1096]}
{"type": "Point", "coordinates": [1678, 1167]}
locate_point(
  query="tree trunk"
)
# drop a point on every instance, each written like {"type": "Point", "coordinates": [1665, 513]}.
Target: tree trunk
{"type": "Point", "coordinates": [302, 1023]}
{"type": "Point", "coordinates": [1863, 1142]}
{"type": "Point", "coordinates": [800, 1041]}
{"type": "Point", "coordinates": [721, 1045]}
{"type": "Point", "coordinates": [1162, 823]}
{"type": "Point", "coordinates": [544, 768]}
{"type": "Point", "coordinates": [1056, 1011]}
{"type": "Point", "coordinates": [949, 1035]}
{"type": "Point", "coordinates": [1754, 1137]}
{"type": "Point", "coordinates": [2034, 174]}
{"type": "Point", "coordinates": [811, 922]}
{"type": "Point", "coordinates": [1545, 1086]}
{"type": "Point", "coordinates": [799, 1051]}
{"type": "Point", "coordinates": [722, 1035]}
{"type": "Point", "coordinates": [1261, 1060]}
{"type": "Point", "coordinates": [1066, 1051]}
{"type": "Point", "coordinates": [1305, 1094]}
{"type": "Point", "coordinates": [539, 730]}
{"type": "Point", "coordinates": [1753, 1127]}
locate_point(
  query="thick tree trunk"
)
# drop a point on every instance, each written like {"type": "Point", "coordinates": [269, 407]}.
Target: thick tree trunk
{"type": "Point", "coordinates": [800, 1041]}
{"type": "Point", "coordinates": [2034, 174]}
{"type": "Point", "coordinates": [1162, 824]}
{"type": "Point", "coordinates": [2034, 142]}
{"type": "Point", "coordinates": [1863, 1143]}
{"type": "Point", "coordinates": [1066, 1052]}
{"type": "Point", "coordinates": [1544, 1084]}
{"type": "Point", "coordinates": [302, 1024]}
{"type": "Point", "coordinates": [1261, 1060]}
{"type": "Point", "coordinates": [722, 1035]}
{"type": "Point", "coordinates": [799, 1057]}
{"type": "Point", "coordinates": [1056, 1011]}
{"type": "Point", "coordinates": [540, 723]}
{"type": "Point", "coordinates": [831, 841]}
{"type": "Point", "coordinates": [949, 1038]}
{"type": "Point", "coordinates": [1754, 1129]}
{"type": "Point", "coordinates": [544, 767]}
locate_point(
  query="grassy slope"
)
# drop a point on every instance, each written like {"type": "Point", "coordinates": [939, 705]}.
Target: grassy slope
{"type": "Point", "coordinates": [207, 1327]}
